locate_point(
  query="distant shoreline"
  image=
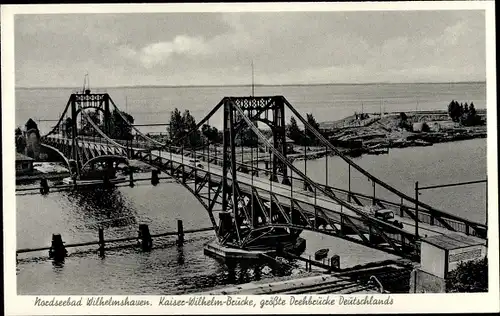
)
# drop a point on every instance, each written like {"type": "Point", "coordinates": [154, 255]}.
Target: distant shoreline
{"type": "Point", "coordinates": [259, 85]}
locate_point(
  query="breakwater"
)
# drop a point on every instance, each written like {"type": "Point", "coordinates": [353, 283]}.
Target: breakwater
{"type": "Point", "coordinates": [375, 133]}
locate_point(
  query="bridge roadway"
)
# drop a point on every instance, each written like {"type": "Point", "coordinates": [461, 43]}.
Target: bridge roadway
{"type": "Point", "coordinates": [281, 191]}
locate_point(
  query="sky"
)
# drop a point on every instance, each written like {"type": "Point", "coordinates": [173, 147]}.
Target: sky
{"type": "Point", "coordinates": [57, 50]}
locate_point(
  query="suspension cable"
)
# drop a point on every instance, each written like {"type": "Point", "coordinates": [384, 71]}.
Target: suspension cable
{"type": "Point", "coordinates": [326, 166]}
{"type": "Point", "coordinates": [370, 176]}
{"type": "Point", "coordinates": [251, 177]}
{"type": "Point", "coordinates": [314, 184]}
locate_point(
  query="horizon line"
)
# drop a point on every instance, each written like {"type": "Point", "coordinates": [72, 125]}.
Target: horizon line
{"type": "Point", "coordinates": [256, 85]}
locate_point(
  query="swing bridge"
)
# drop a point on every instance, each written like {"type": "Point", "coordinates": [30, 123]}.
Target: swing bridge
{"type": "Point", "coordinates": [251, 206]}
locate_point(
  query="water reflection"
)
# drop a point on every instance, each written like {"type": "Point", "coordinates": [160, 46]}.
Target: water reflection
{"type": "Point", "coordinates": [102, 207]}
{"type": "Point", "coordinates": [180, 255]}
{"type": "Point", "coordinates": [243, 271]}
{"type": "Point", "coordinates": [57, 266]}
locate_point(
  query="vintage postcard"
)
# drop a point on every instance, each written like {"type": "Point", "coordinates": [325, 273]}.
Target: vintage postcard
{"type": "Point", "coordinates": [250, 158]}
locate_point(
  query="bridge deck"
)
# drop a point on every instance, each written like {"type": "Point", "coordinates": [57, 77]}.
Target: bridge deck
{"type": "Point", "coordinates": [264, 186]}
{"type": "Point", "coordinates": [283, 191]}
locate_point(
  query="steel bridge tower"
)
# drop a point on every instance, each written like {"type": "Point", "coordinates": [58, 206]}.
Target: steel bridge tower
{"type": "Point", "coordinates": [270, 111]}
{"type": "Point", "coordinates": [79, 102]}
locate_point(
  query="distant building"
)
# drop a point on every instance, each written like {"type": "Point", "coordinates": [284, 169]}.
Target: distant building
{"type": "Point", "coordinates": [24, 164]}
{"type": "Point", "coordinates": [288, 141]}
{"type": "Point", "coordinates": [33, 146]}
{"type": "Point", "coordinates": [421, 127]}
{"type": "Point", "coordinates": [417, 127]}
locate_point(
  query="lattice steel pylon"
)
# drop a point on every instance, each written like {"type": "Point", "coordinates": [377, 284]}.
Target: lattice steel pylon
{"type": "Point", "coordinates": [270, 111]}
{"type": "Point", "coordinates": [81, 102]}
{"type": "Point", "coordinates": [75, 107]}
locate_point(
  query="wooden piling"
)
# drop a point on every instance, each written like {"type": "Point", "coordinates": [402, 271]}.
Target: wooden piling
{"type": "Point", "coordinates": [101, 242]}
{"type": "Point", "coordinates": [180, 232]}
{"type": "Point", "coordinates": [57, 250]}
{"type": "Point", "coordinates": [145, 237]}
{"type": "Point", "coordinates": [154, 177]}
{"type": "Point", "coordinates": [131, 179]}
{"type": "Point", "coordinates": [44, 186]}
{"type": "Point", "coordinates": [335, 263]}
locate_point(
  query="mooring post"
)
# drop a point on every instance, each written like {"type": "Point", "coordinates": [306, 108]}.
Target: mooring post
{"type": "Point", "coordinates": [57, 250]}
{"type": "Point", "coordinates": [101, 242]}
{"type": "Point", "coordinates": [334, 263]}
{"type": "Point", "coordinates": [145, 237]}
{"type": "Point", "coordinates": [131, 179]}
{"type": "Point", "coordinates": [154, 177]}
{"type": "Point", "coordinates": [180, 232]}
{"type": "Point", "coordinates": [44, 186]}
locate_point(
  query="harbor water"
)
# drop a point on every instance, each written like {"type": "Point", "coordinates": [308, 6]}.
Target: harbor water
{"type": "Point", "coordinates": [326, 102]}
{"type": "Point", "coordinates": [174, 270]}
{"type": "Point", "coordinates": [170, 269]}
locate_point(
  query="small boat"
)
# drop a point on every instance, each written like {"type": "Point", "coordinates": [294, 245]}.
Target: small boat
{"type": "Point", "coordinates": [355, 152]}
{"type": "Point", "coordinates": [378, 151]}
{"type": "Point", "coordinates": [420, 142]}
{"type": "Point", "coordinates": [69, 180]}
{"type": "Point", "coordinates": [321, 254]}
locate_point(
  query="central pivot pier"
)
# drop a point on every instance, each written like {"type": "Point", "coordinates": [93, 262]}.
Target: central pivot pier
{"type": "Point", "coordinates": [260, 242]}
{"type": "Point", "coordinates": [249, 223]}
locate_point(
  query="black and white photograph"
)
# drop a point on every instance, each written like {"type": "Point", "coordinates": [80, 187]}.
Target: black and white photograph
{"type": "Point", "coordinates": [272, 157]}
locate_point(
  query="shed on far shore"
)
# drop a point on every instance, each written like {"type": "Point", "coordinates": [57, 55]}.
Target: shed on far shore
{"type": "Point", "coordinates": [24, 164]}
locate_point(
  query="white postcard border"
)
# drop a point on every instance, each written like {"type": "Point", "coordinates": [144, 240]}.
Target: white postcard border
{"type": "Point", "coordinates": [402, 303]}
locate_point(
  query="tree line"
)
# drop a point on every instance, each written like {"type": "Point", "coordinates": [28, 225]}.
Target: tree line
{"type": "Point", "coordinates": [182, 123]}
{"type": "Point", "coordinates": [300, 137]}
{"type": "Point", "coordinates": [464, 113]}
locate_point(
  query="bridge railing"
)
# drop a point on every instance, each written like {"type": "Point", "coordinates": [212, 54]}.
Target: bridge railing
{"type": "Point", "coordinates": [402, 209]}
{"type": "Point", "coordinates": [408, 211]}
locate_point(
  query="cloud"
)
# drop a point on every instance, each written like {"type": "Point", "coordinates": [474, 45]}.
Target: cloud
{"type": "Point", "coordinates": [286, 47]}
{"type": "Point", "coordinates": [160, 52]}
